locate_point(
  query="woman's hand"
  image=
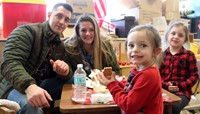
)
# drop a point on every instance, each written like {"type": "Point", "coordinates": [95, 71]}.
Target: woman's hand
{"type": "Point", "coordinates": [105, 80]}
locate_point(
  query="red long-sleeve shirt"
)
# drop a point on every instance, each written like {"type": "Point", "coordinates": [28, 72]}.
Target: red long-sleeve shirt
{"type": "Point", "coordinates": [146, 93]}
{"type": "Point", "coordinates": [181, 70]}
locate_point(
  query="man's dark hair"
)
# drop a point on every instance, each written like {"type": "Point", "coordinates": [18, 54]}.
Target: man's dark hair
{"type": "Point", "coordinates": [65, 5]}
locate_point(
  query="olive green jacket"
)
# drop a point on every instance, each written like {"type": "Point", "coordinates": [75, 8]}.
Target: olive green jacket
{"type": "Point", "coordinates": [26, 48]}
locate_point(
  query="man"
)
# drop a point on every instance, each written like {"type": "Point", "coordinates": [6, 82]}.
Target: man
{"type": "Point", "coordinates": [33, 70]}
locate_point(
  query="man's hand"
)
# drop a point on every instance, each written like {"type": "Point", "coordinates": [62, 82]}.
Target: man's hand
{"type": "Point", "coordinates": [60, 67]}
{"type": "Point", "coordinates": [37, 96]}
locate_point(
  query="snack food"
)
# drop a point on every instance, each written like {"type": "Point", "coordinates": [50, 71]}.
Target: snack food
{"type": "Point", "coordinates": [93, 74]}
{"type": "Point", "coordinates": [107, 71]}
{"type": "Point", "coordinates": [100, 98]}
{"type": "Point", "coordinates": [98, 88]}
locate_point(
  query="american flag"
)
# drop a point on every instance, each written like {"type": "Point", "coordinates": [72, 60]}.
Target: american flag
{"type": "Point", "coordinates": [100, 8]}
{"type": "Point", "coordinates": [100, 13]}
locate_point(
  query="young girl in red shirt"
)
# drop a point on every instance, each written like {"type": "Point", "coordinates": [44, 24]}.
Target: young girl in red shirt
{"type": "Point", "coordinates": [178, 70]}
{"type": "Point", "coordinates": [143, 92]}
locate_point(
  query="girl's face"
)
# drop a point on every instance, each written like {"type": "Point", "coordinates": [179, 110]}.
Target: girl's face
{"type": "Point", "coordinates": [140, 49]}
{"type": "Point", "coordinates": [86, 32]}
{"type": "Point", "coordinates": [176, 37]}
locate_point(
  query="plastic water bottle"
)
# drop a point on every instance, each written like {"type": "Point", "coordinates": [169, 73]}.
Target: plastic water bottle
{"type": "Point", "coordinates": [79, 84]}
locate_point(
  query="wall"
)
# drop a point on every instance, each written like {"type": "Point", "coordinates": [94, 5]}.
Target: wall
{"type": "Point", "coordinates": [190, 5]}
{"type": "Point", "coordinates": [68, 32]}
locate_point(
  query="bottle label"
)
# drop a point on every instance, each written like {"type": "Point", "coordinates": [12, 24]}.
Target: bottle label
{"type": "Point", "coordinates": [79, 80]}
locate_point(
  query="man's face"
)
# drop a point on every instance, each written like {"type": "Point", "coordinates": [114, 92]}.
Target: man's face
{"type": "Point", "coordinates": [59, 19]}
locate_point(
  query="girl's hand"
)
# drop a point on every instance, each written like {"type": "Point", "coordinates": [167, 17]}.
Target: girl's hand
{"type": "Point", "coordinates": [104, 80]}
{"type": "Point", "coordinates": [173, 88]}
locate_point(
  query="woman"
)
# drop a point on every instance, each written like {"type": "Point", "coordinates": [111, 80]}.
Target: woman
{"type": "Point", "coordinates": [88, 47]}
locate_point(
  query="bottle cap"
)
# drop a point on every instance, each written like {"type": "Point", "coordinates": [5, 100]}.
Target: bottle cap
{"type": "Point", "coordinates": [80, 66]}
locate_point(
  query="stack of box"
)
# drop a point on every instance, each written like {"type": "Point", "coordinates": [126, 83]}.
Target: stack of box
{"type": "Point", "coordinates": [149, 9]}
{"type": "Point", "coordinates": [80, 7]}
{"type": "Point", "coordinates": [171, 9]}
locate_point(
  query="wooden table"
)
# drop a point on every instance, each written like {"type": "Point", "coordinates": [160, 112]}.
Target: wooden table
{"type": "Point", "coordinates": [69, 107]}
{"type": "Point", "coordinates": [168, 105]}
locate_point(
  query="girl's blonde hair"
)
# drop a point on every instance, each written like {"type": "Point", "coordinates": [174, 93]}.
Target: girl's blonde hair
{"type": "Point", "coordinates": [154, 38]}
{"type": "Point", "coordinates": [178, 24]}
{"type": "Point", "coordinates": [100, 44]}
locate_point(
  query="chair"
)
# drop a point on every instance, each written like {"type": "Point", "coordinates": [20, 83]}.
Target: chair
{"type": "Point", "coordinates": [54, 109]}
{"type": "Point", "coordinates": [8, 107]}
{"type": "Point", "coordinates": [194, 104]}
{"type": "Point", "coordinates": [2, 45]}
{"type": "Point", "coordinates": [4, 110]}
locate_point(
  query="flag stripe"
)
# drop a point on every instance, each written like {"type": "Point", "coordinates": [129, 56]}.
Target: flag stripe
{"type": "Point", "coordinates": [102, 6]}
{"type": "Point", "coordinates": [100, 9]}
{"type": "Point", "coordinates": [97, 11]}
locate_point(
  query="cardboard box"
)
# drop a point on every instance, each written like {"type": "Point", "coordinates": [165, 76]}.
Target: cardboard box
{"type": "Point", "coordinates": [171, 9]}
{"type": "Point", "coordinates": [149, 9]}
{"type": "Point", "coordinates": [80, 7]}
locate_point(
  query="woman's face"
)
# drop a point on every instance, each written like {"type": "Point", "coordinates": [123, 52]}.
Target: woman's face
{"type": "Point", "coordinates": [86, 32]}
